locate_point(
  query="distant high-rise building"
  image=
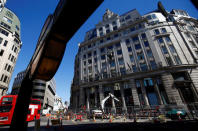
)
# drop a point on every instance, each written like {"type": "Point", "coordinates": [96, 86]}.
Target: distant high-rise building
{"type": "Point", "coordinates": [10, 45]}
{"type": "Point", "coordinates": [146, 61]}
{"type": "Point", "coordinates": [44, 91]}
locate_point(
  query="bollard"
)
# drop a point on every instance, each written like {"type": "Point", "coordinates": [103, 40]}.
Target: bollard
{"type": "Point", "coordinates": [48, 126]}
{"type": "Point", "coordinates": [37, 125]}
{"type": "Point", "coordinates": [61, 124]}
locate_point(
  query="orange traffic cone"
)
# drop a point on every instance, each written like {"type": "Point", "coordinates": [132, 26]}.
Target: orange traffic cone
{"type": "Point", "coordinates": [110, 119]}
{"type": "Point", "coordinates": [94, 119]}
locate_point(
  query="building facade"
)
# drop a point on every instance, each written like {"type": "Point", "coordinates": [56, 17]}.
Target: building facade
{"type": "Point", "coordinates": [146, 61]}
{"type": "Point", "coordinates": [42, 90]}
{"type": "Point", "coordinates": [10, 45]}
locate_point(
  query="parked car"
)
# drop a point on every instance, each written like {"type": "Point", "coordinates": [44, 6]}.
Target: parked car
{"type": "Point", "coordinates": [97, 113]}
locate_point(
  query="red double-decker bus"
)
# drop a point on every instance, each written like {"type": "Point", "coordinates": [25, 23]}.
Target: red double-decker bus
{"type": "Point", "coordinates": [7, 106]}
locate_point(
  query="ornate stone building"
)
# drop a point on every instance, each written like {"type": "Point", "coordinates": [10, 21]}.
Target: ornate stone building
{"type": "Point", "coordinates": [10, 45]}
{"type": "Point", "coordinates": [145, 61]}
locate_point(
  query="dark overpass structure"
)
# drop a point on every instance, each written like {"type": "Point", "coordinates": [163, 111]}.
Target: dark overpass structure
{"type": "Point", "coordinates": [58, 29]}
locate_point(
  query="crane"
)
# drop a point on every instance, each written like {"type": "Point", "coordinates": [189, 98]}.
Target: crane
{"type": "Point", "coordinates": [105, 99]}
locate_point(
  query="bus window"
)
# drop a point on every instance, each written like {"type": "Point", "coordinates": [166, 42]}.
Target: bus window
{"type": "Point", "coordinates": [37, 102]}
{"type": "Point", "coordinates": [5, 108]}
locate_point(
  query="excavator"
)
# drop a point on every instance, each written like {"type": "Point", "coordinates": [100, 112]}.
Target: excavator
{"type": "Point", "coordinates": [101, 112]}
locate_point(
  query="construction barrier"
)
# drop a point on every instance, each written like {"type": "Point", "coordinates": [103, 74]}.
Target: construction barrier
{"type": "Point", "coordinates": [55, 122]}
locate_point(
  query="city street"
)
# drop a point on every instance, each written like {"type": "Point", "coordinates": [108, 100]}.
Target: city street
{"type": "Point", "coordinates": [116, 125]}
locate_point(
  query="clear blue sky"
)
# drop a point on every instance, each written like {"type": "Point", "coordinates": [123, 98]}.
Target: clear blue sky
{"type": "Point", "coordinates": [32, 14]}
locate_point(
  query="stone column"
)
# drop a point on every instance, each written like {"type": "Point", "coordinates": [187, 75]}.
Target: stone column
{"type": "Point", "coordinates": [134, 92]}
{"type": "Point", "coordinates": [124, 108]}
{"type": "Point", "coordinates": [101, 93]}
{"type": "Point", "coordinates": [95, 96]}
{"type": "Point", "coordinates": [88, 100]}
{"type": "Point", "coordinates": [172, 92]}
{"type": "Point", "coordinates": [157, 91]}
{"type": "Point", "coordinates": [113, 109]}
{"type": "Point", "coordinates": [144, 93]}
{"type": "Point", "coordinates": [82, 97]}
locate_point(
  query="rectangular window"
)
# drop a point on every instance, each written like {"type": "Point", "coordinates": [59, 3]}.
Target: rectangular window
{"type": "Point", "coordinates": [103, 57]}
{"type": "Point", "coordinates": [5, 43]}
{"type": "Point", "coordinates": [5, 25]}
{"type": "Point", "coordinates": [192, 44]}
{"type": "Point", "coordinates": [143, 36]}
{"type": "Point", "coordinates": [167, 38]}
{"type": "Point", "coordinates": [110, 47]}
{"type": "Point", "coordinates": [102, 50]}
{"type": "Point", "coordinates": [89, 55]}
{"type": "Point", "coordinates": [94, 53]}
{"type": "Point", "coordinates": [153, 16]}
{"type": "Point", "coordinates": [156, 31]}
{"type": "Point", "coordinates": [6, 67]}
{"type": "Point", "coordinates": [134, 68]}
{"type": "Point", "coordinates": [146, 43]}
{"type": "Point", "coordinates": [131, 58]}
{"type": "Point", "coordinates": [107, 31]}
{"type": "Point", "coordinates": [115, 28]}
{"type": "Point", "coordinates": [4, 32]}
{"type": "Point", "coordinates": [128, 17]}
{"type": "Point", "coordinates": [177, 59]}
{"type": "Point", "coordinates": [116, 35]}
{"type": "Point", "coordinates": [7, 20]}
{"type": "Point", "coordinates": [117, 44]}
{"type": "Point", "coordinates": [1, 39]}
{"type": "Point", "coordinates": [107, 26]}
{"type": "Point", "coordinates": [89, 46]}
{"type": "Point", "coordinates": [119, 52]}
{"type": "Point", "coordinates": [143, 67]}
{"type": "Point", "coordinates": [169, 61]}
{"type": "Point", "coordinates": [122, 71]}
{"type": "Point", "coordinates": [101, 41]}
{"type": "Point", "coordinates": [95, 60]}
{"type": "Point", "coordinates": [12, 58]}
{"type": "Point", "coordinates": [172, 49]}
{"type": "Point", "coordinates": [15, 49]}
{"type": "Point", "coordinates": [149, 17]}
{"type": "Point", "coordinates": [149, 53]}
{"type": "Point", "coordinates": [160, 40]}
{"type": "Point", "coordinates": [164, 30]}
{"type": "Point", "coordinates": [9, 56]}
{"type": "Point", "coordinates": [112, 64]}
{"type": "Point", "coordinates": [137, 46]}
{"type": "Point", "coordinates": [1, 52]}
{"type": "Point", "coordinates": [135, 39]}
{"type": "Point", "coordinates": [121, 61]}
{"type": "Point", "coordinates": [5, 79]}
{"type": "Point", "coordinates": [17, 27]}
{"type": "Point", "coordinates": [84, 56]}
{"type": "Point", "coordinates": [140, 56]}
{"type": "Point", "coordinates": [89, 61]}
{"type": "Point", "coordinates": [129, 49]}
{"type": "Point", "coordinates": [132, 29]}
{"type": "Point", "coordinates": [103, 65]}
{"type": "Point", "coordinates": [2, 77]}
{"type": "Point", "coordinates": [153, 64]}
{"type": "Point", "coordinates": [108, 38]}
{"type": "Point", "coordinates": [164, 50]}
{"type": "Point", "coordinates": [127, 41]}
